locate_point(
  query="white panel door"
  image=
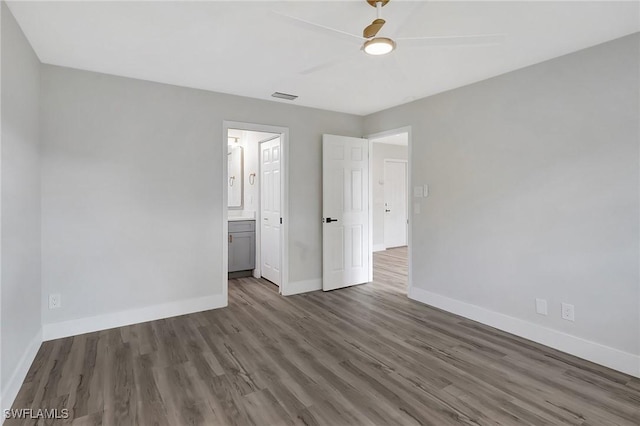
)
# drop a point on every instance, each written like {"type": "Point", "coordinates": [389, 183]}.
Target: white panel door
{"type": "Point", "coordinates": [345, 211]}
{"type": "Point", "coordinates": [270, 162]}
{"type": "Point", "coordinates": [395, 203]}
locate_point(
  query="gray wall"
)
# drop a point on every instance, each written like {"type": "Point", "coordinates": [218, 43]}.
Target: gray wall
{"type": "Point", "coordinates": [533, 180]}
{"type": "Point", "coordinates": [132, 189]}
{"type": "Point", "coordinates": [20, 211]}
{"type": "Point", "coordinates": [382, 151]}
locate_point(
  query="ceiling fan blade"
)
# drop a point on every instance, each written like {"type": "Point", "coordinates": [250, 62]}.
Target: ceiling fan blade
{"type": "Point", "coordinates": [317, 27]}
{"type": "Point", "coordinates": [414, 12]}
{"type": "Point", "coordinates": [373, 28]}
{"type": "Point", "coordinates": [328, 64]}
{"type": "Point", "coordinates": [466, 40]}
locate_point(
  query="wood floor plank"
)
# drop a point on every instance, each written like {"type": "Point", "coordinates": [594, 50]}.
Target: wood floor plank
{"type": "Point", "coordinates": [88, 368]}
{"type": "Point", "coordinates": [364, 355]}
{"type": "Point", "coordinates": [119, 390]}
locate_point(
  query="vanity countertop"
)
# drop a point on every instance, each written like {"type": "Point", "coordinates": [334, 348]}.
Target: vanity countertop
{"type": "Point", "coordinates": [237, 218]}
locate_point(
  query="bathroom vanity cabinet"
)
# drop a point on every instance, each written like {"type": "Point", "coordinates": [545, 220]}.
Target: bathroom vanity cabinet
{"type": "Point", "coordinates": [242, 247]}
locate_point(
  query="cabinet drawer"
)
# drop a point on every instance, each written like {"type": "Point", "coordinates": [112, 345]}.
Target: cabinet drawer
{"type": "Point", "coordinates": [242, 226]}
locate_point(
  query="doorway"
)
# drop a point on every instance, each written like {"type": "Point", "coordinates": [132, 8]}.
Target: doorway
{"type": "Point", "coordinates": [255, 217]}
{"type": "Point", "coordinates": [390, 207]}
{"type": "Point", "coordinates": [353, 205]}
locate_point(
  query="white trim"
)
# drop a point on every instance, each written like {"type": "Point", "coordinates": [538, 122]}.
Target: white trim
{"type": "Point", "coordinates": [224, 209]}
{"type": "Point", "coordinates": [284, 182]}
{"type": "Point", "coordinates": [595, 352]}
{"type": "Point", "coordinates": [410, 212]}
{"type": "Point", "coordinates": [298, 287]}
{"type": "Point", "coordinates": [74, 327]}
{"type": "Point", "coordinates": [17, 378]}
{"type": "Point", "coordinates": [371, 183]}
{"type": "Point", "coordinates": [409, 132]}
{"type": "Point", "coordinates": [2, 397]}
{"type": "Point", "coordinates": [379, 247]}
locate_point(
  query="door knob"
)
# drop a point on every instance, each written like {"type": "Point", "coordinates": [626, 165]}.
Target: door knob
{"type": "Point", "coordinates": [329, 220]}
{"type": "Point", "coordinates": [387, 210]}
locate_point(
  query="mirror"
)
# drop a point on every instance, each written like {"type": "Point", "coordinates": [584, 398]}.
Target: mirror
{"type": "Point", "coordinates": [234, 177]}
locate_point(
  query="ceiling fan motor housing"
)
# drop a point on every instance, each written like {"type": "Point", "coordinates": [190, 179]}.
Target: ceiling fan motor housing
{"type": "Point", "coordinates": [373, 2]}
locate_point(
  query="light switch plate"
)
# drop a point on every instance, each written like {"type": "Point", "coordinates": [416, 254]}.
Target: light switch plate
{"type": "Point", "coordinates": [425, 190]}
{"type": "Point", "coordinates": [418, 192]}
{"type": "Point", "coordinates": [541, 307]}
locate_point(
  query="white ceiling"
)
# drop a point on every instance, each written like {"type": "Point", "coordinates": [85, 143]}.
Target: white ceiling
{"type": "Point", "coordinates": [244, 48]}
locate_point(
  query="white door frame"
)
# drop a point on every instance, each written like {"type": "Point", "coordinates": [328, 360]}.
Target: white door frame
{"type": "Point", "coordinates": [371, 137]}
{"type": "Point", "coordinates": [384, 170]}
{"type": "Point", "coordinates": [284, 200]}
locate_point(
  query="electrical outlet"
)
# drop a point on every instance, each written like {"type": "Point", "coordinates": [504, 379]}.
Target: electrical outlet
{"type": "Point", "coordinates": [568, 312]}
{"type": "Point", "coordinates": [55, 301]}
{"type": "Point", "coordinates": [541, 306]}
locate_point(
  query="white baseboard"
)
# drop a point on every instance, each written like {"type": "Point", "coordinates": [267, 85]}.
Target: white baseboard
{"type": "Point", "coordinates": [74, 327]}
{"type": "Point", "coordinates": [379, 247]}
{"type": "Point", "coordinates": [298, 287]}
{"type": "Point", "coordinates": [17, 378]}
{"type": "Point", "coordinates": [591, 351]}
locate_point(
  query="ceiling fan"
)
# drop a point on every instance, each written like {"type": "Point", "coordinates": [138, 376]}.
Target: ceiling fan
{"type": "Point", "coordinates": [373, 44]}
{"type": "Point", "coordinates": [377, 45]}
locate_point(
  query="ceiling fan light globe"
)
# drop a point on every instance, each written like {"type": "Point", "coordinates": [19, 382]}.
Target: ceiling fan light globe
{"type": "Point", "coordinates": [379, 46]}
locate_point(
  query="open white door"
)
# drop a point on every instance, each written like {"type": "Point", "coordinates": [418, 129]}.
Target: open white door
{"type": "Point", "coordinates": [270, 160]}
{"type": "Point", "coordinates": [345, 211]}
{"type": "Point", "coordinates": [395, 203]}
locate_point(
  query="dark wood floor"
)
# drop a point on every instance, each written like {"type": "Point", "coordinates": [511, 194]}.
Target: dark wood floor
{"type": "Point", "coordinates": [362, 355]}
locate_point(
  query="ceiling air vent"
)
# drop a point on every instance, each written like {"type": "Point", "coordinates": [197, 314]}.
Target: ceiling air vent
{"type": "Point", "coordinates": [284, 96]}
